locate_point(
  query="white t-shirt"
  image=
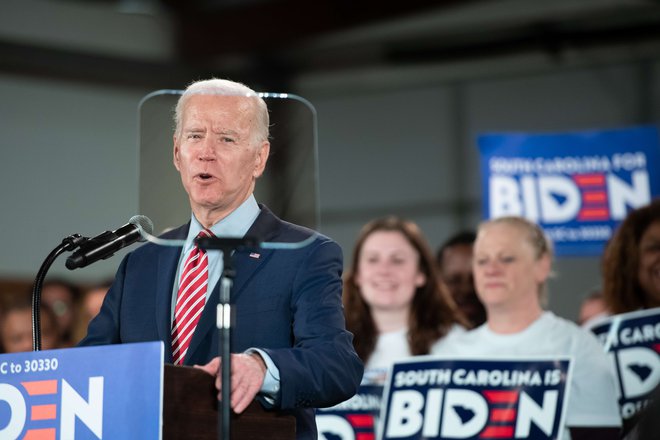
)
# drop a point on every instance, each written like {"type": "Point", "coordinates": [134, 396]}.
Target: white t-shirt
{"type": "Point", "coordinates": [592, 398]}
{"type": "Point", "coordinates": [392, 347]}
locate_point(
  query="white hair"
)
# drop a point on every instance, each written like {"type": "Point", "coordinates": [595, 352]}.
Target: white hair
{"type": "Point", "coordinates": [216, 86]}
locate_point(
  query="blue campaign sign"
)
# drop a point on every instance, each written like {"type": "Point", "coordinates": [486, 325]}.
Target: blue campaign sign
{"type": "Point", "coordinates": [578, 186]}
{"type": "Point", "coordinates": [354, 419]}
{"type": "Point", "coordinates": [439, 398]}
{"type": "Point", "coordinates": [108, 392]}
{"type": "Point", "coordinates": [632, 341]}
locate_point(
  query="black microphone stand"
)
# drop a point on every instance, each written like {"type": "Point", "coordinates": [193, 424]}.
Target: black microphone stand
{"type": "Point", "coordinates": [224, 319]}
{"type": "Point", "coordinates": [68, 244]}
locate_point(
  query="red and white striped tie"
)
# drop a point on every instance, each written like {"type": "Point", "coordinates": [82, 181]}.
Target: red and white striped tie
{"type": "Point", "coordinates": [190, 300]}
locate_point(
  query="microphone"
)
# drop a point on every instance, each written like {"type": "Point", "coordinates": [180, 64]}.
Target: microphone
{"type": "Point", "coordinates": [106, 244]}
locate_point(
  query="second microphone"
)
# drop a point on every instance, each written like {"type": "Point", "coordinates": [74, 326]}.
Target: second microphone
{"type": "Point", "coordinates": [106, 244]}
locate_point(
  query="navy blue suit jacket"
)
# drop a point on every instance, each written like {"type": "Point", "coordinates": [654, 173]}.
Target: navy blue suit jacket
{"type": "Point", "coordinates": [287, 302]}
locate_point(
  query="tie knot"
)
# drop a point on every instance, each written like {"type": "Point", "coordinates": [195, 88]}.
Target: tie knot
{"type": "Point", "coordinates": [205, 233]}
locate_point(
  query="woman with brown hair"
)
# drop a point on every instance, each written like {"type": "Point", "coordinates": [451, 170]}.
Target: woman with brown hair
{"type": "Point", "coordinates": [394, 302]}
{"type": "Point", "coordinates": [631, 282]}
{"type": "Point", "coordinates": [631, 264]}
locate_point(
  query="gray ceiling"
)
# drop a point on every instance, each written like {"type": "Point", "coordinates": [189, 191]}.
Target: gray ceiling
{"type": "Point", "coordinates": [166, 43]}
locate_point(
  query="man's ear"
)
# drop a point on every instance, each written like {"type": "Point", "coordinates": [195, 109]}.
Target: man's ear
{"type": "Point", "coordinates": [261, 159]}
{"type": "Point", "coordinates": [175, 153]}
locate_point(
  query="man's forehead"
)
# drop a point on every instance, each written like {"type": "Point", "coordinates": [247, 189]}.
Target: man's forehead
{"type": "Point", "coordinates": [204, 106]}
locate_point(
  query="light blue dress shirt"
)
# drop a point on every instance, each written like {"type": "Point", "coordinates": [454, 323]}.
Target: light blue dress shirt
{"type": "Point", "coordinates": [235, 225]}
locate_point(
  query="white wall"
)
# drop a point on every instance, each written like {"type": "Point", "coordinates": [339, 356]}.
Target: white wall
{"type": "Point", "coordinates": [69, 165]}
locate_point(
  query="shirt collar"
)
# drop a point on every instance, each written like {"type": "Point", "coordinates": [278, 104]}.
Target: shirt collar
{"type": "Point", "coordinates": [236, 224]}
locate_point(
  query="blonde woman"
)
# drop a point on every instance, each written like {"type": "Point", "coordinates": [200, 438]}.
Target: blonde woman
{"type": "Point", "coordinates": [512, 261]}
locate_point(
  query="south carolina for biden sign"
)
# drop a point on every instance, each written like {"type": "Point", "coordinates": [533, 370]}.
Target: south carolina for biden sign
{"type": "Point", "coordinates": [577, 186]}
{"type": "Point", "coordinates": [475, 399]}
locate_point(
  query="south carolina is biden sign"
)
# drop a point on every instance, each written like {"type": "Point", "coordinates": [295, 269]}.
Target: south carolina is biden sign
{"type": "Point", "coordinates": [471, 399]}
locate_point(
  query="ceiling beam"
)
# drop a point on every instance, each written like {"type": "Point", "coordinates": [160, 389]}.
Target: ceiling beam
{"type": "Point", "coordinates": [258, 27]}
{"type": "Point", "coordinates": [62, 64]}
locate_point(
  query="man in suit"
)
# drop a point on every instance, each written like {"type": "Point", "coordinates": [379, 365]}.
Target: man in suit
{"type": "Point", "coordinates": [291, 347]}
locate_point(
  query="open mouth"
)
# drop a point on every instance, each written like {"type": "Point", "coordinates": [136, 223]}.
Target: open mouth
{"type": "Point", "coordinates": [204, 176]}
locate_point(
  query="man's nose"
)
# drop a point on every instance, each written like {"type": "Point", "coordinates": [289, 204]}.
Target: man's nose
{"type": "Point", "coordinates": [206, 149]}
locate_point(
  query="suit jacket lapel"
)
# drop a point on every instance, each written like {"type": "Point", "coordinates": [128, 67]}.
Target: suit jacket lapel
{"type": "Point", "coordinates": [249, 261]}
{"type": "Point", "coordinates": [265, 227]}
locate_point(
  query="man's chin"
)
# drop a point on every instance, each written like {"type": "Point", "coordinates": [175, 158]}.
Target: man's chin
{"type": "Point", "coordinates": [207, 201]}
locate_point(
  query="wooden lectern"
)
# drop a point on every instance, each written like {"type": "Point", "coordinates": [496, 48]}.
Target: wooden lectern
{"type": "Point", "coordinates": [190, 411]}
